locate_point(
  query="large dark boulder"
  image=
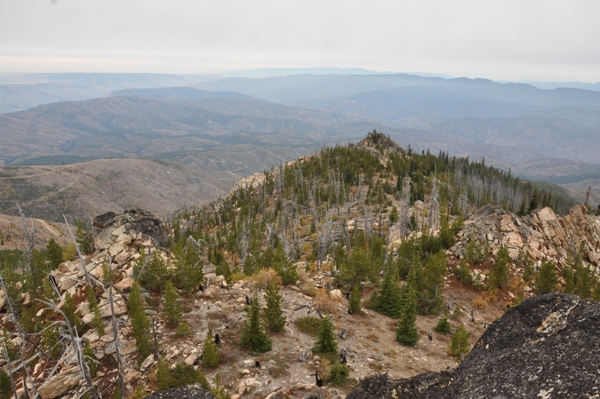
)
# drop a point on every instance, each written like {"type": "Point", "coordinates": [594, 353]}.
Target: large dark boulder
{"type": "Point", "coordinates": [108, 226]}
{"type": "Point", "coordinates": [187, 392]}
{"type": "Point", "coordinates": [547, 347]}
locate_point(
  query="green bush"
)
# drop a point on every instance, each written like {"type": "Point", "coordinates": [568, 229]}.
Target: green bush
{"type": "Point", "coordinates": [338, 374]}
{"type": "Point", "coordinates": [308, 325]}
{"type": "Point", "coordinates": [463, 271]}
{"type": "Point", "coordinates": [210, 352]}
{"type": "Point", "coordinates": [442, 326]}
{"type": "Point", "coordinates": [180, 375]}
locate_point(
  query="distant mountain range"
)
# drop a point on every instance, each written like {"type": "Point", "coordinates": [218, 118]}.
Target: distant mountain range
{"type": "Point", "coordinates": [242, 125]}
{"type": "Point", "coordinates": [241, 135]}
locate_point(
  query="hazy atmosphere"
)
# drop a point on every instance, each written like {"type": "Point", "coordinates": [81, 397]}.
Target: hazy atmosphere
{"type": "Point", "coordinates": [264, 199]}
{"type": "Point", "coordinates": [501, 40]}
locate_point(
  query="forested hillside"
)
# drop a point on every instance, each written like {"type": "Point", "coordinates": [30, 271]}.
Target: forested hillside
{"type": "Point", "coordinates": [359, 258]}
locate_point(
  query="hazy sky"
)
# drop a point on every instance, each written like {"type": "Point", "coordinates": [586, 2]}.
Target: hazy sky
{"type": "Point", "coordinates": [503, 40]}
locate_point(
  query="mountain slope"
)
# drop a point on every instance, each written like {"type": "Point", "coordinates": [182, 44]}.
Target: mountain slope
{"type": "Point", "coordinates": [83, 190]}
{"type": "Point", "coordinates": [162, 128]}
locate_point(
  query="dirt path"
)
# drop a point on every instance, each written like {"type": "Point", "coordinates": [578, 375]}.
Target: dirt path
{"type": "Point", "coordinates": [48, 227]}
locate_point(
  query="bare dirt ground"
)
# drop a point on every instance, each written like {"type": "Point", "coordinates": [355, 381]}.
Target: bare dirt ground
{"type": "Point", "coordinates": [370, 344]}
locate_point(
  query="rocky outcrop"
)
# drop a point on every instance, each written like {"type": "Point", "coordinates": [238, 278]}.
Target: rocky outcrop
{"type": "Point", "coordinates": [187, 392]}
{"type": "Point", "coordinates": [542, 233]}
{"type": "Point", "coordinates": [61, 383]}
{"type": "Point", "coordinates": [547, 347]}
{"type": "Point", "coordinates": [132, 225]}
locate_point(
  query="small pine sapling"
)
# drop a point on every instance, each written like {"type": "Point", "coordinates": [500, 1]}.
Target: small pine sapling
{"type": "Point", "coordinates": [460, 342]}
{"type": "Point", "coordinates": [273, 315]}
{"type": "Point", "coordinates": [139, 321]}
{"type": "Point", "coordinates": [442, 326]}
{"type": "Point", "coordinates": [97, 321]}
{"type": "Point", "coordinates": [172, 305]}
{"type": "Point", "coordinates": [210, 352]}
{"type": "Point", "coordinates": [354, 302]}
{"type": "Point", "coordinates": [326, 343]}
{"type": "Point", "coordinates": [254, 338]}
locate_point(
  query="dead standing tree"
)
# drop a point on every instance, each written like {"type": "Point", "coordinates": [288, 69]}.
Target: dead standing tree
{"type": "Point", "coordinates": [404, 221]}
{"type": "Point", "coordinates": [73, 336]}
{"type": "Point", "coordinates": [115, 329]}
{"type": "Point", "coordinates": [85, 271]}
{"type": "Point", "coordinates": [434, 207]}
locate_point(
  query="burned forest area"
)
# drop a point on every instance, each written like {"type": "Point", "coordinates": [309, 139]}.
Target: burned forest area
{"type": "Point", "coordinates": [364, 270]}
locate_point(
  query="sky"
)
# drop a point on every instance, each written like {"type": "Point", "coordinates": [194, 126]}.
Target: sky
{"type": "Point", "coordinates": [529, 40]}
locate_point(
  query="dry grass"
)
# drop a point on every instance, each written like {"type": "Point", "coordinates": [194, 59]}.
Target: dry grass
{"type": "Point", "coordinates": [480, 303]}
{"type": "Point", "coordinates": [372, 337]}
{"type": "Point", "coordinates": [264, 278]}
{"type": "Point", "coordinates": [326, 302]}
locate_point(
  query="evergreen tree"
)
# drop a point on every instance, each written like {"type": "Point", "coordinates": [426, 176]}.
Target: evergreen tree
{"type": "Point", "coordinates": [5, 386]}
{"type": "Point", "coordinates": [223, 269]}
{"type": "Point", "coordinates": [388, 300]}
{"type": "Point", "coordinates": [108, 274]}
{"type": "Point", "coordinates": [254, 338]}
{"type": "Point", "coordinates": [90, 359]}
{"type": "Point", "coordinates": [51, 339]}
{"type": "Point", "coordinates": [354, 302]}
{"type": "Point", "coordinates": [188, 267]}
{"type": "Point", "coordinates": [274, 318]}
{"type": "Point", "coordinates": [534, 202]}
{"type": "Point", "coordinates": [407, 333]}
{"type": "Point", "coordinates": [584, 279]}
{"type": "Point", "coordinates": [432, 283]}
{"type": "Point", "coordinates": [54, 254]}
{"type": "Point", "coordinates": [83, 239]}
{"type": "Point", "coordinates": [442, 326]}
{"type": "Point", "coordinates": [393, 215]}
{"type": "Point", "coordinates": [155, 275]}
{"type": "Point", "coordinates": [69, 309]}
{"type": "Point", "coordinates": [139, 392]}
{"type": "Point", "coordinates": [284, 267]}
{"type": "Point", "coordinates": [210, 352]}
{"type": "Point", "coordinates": [460, 342]}
{"type": "Point", "coordinates": [500, 271]}
{"type": "Point", "coordinates": [546, 280]}
{"type": "Point", "coordinates": [475, 251]}
{"type": "Point", "coordinates": [525, 261]}
{"type": "Point", "coordinates": [10, 347]}
{"type": "Point", "coordinates": [523, 208]}
{"type": "Point", "coordinates": [97, 322]}
{"type": "Point", "coordinates": [117, 391]}
{"type": "Point", "coordinates": [140, 323]}
{"type": "Point", "coordinates": [446, 234]}
{"type": "Point", "coordinates": [569, 276]}
{"type": "Point", "coordinates": [357, 267]}
{"type": "Point", "coordinates": [172, 305]}
{"type": "Point", "coordinates": [250, 265]}
{"type": "Point", "coordinates": [326, 342]}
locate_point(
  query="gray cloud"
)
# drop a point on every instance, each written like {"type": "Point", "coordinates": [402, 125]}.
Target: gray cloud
{"type": "Point", "coordinates": [498, 39]}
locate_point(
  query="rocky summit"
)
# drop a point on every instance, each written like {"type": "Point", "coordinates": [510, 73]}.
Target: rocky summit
{"type": "Point", "coordinates": [547, 347]}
